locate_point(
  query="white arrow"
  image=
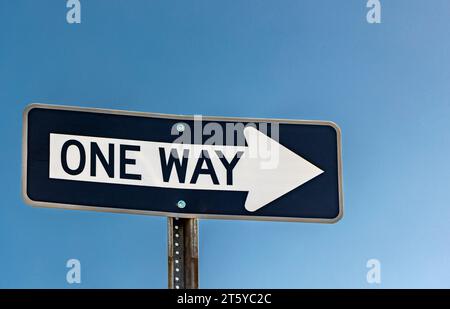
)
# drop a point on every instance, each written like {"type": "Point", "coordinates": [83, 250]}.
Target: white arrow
{"type": "Point", "coordinates": [266, 169]}
{"type": "Point", "coordinates": [272, 177]}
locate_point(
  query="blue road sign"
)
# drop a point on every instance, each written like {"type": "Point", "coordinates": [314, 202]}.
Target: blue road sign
{"type": "Point", "coordinates": [184, 166]}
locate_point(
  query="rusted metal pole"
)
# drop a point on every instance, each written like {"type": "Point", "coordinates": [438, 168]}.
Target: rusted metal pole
{"type": "Point", "coordinates": [182, 253]}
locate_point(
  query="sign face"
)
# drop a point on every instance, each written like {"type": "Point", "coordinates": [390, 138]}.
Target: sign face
{"type": "Point", "coordinates": [182, 166]}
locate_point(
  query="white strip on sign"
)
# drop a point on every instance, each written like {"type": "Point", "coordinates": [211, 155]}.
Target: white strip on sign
{"type": "Point", "coordinates": [266, 169]}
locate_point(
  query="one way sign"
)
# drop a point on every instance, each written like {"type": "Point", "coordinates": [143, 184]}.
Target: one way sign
{"type": "Point", "coordinates": [185, 166]}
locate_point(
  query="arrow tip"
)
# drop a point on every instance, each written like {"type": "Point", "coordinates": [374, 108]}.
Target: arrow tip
{"type": "Point", "coordinates": [275, 170]}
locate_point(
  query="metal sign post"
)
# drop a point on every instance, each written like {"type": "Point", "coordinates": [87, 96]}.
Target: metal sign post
{"type": "Point", "coordinates": [182, 253]}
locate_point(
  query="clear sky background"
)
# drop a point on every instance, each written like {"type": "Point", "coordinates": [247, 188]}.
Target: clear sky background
{"type": "Point", "coordinates": [387, 85]}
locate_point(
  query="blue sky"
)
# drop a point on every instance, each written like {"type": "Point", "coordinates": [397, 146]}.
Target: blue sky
{"type": "Point", "coordinates": [386, 85]}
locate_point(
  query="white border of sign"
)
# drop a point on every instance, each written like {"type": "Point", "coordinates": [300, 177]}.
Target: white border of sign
{"type": "Point", "coordinates": [175, 117]}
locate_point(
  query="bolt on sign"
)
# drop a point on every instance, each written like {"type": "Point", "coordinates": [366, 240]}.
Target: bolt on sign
{"type": "Point", "coordinates": [183, 166]}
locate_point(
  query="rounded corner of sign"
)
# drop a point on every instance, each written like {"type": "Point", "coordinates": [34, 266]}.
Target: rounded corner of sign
{"type": "Point", "coordinates": [30, 107]}
{"type": "Point", "coordinates": [338, 217]}
{"type": "Point", "coordinates": [335, 127]}
{"type": "Point", "coordinates": [28, 200]}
